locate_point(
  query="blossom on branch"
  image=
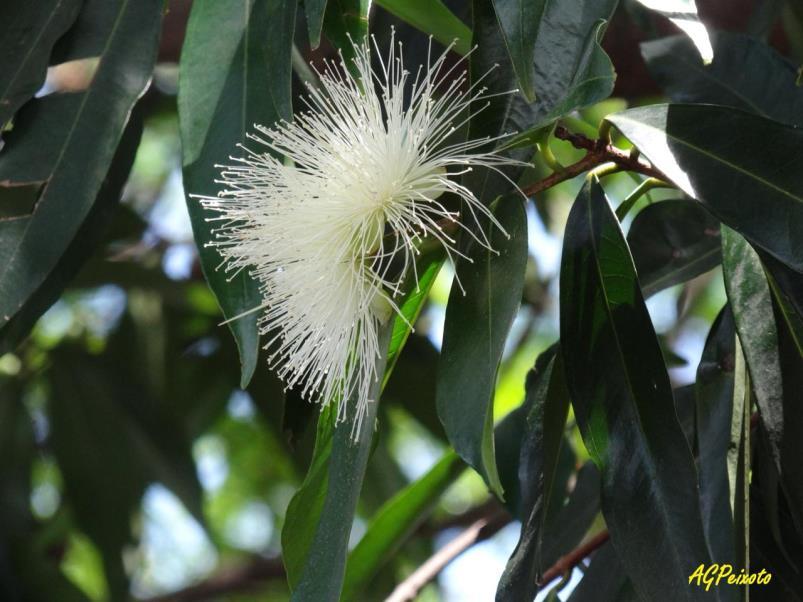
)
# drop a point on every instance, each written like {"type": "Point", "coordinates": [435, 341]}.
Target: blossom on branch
{"type": "Point", "coordinates": [331, 231]}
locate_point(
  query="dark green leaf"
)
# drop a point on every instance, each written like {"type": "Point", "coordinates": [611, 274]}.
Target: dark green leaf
{"type": "Point", "coordinates": [623, 402]}
{"type": "Point", "coordinates": [745, 74]}
{"type": "Point", "coordinates": [28, 31]}
{"type": "Point", "coordinates": [395, 522]}
{"type": "Point", "coordinates": [315, 11]}
{"type": "Point", "coordinates": [720, 418]}
{"type": "Point", "coordinates": [319, 518]}
{"type": "Point", "coordinates": [74, 158]}
{"type": "Point", "coordinates": [737, 164]}
{"type": "Point", "coordinates": [547, 405]}
{"type": "Point", "coordinates": [219, 101]}
{"type": "Point", "coordinates": [434, 18]}
{"type": "Point", "coordinates": [604, 580]}
{"type": "Point", "coordinates": [475, 330]}
{"type": "Point", "coordinates": [86, 241]}
{"type": "Point", "coordinates": [346, 21]}
{"type": "Point", "coordinates": [518, 22]}
{"type": "Point", "coordinates": [673, 241]}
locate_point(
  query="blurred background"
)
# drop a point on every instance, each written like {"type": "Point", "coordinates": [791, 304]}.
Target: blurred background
{"type": "Point", "coordinates": [142, 465]}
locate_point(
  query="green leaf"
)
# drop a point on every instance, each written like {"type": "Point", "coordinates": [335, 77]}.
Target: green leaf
{"type": "Point", "coordinates": [73, 158]}
{"type": "Point", "coordinates": [683, 13]}
{"type": "Point", "coordinates": [474, 334]}
{"type": "Point", "coordinates": [745, 74]}
{"type": "Point", "coordinates": [28, 31]}
{"type": "Point", "coordinates": [219, 101]}
{"type": "Point", "coordinates": [319, 518]}
{"type": "Point", "coordinates": [519, 21]}
{"type": "Point", "coordinates": [546, 405]}
{"type": "Point", "coordinates": [434, 18]}
{"type": "Point", "coordinates": [673, 241]}
{"type": "Point", "coordinates": [720, 425]}
{"type": "Point", "coordinates": [89, 237]}
{"type": "Point", "coordinates": [623, 403]}
{"type": "Point", "coordinates": [346, 21]}
{"type": "Point", "coordinates": [315, 11]}
{"type": "Point", "coordinates": [395, 521]}
{"type": "Point", "coordinates": [750, 296]}
{"type": "Point", "coordinates": [737, 164]}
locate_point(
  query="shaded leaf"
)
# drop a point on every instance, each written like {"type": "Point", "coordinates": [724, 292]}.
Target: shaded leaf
{"type": "Point", "coordinates": [745, 74]}
{"type": "Point", "coordinates": [672, 242]}
{"type": "Point", "coordinates": [91, 128]}
{"type": "Point", "coordinates": [604, 580]}
{"type": "Point", "coordinates": [546, 407]}
{"type": "Point", "coordinates": [28, 31]}
{"type": "Point", "coordinates": [315, 11]}
{"type": "Point", "coordinates": [475, 330]}
{"type": "Point", "coordinates": [218, 103]}
{"type": "Point", "coordinates": [623, 402]}
{"type": "Point", "coordinates": [737, 164]}
{"type": "Point", "coordinates": [519, 21]}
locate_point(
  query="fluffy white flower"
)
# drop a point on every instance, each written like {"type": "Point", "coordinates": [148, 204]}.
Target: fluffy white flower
{"type": "Point", "coordinates": [331, 232]}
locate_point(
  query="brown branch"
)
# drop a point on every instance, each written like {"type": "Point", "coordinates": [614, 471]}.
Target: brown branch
{"type": "Point", "coordinates": [566, 563]}
{"type": "Point", "coordinates": [598, 152]}
{"type": "Point", "coordinates": [478, 531]}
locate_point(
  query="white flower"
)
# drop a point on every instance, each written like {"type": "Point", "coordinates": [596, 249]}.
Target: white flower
{"type": "Point", "coordinates": [331, 232]}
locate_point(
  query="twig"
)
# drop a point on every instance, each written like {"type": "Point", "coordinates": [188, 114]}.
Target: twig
{"type": "Point", "coordinates": [598, 152]}
{"type": "Point", "coordinates": [566, 563]}
{"type": "Point", "coordinates": [478, 531]}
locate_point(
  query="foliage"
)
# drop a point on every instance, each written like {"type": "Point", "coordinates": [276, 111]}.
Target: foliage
{"type": "Point", "coordinates": [634, 407]}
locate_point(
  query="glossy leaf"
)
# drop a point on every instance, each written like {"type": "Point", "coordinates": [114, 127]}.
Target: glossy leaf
{"type": "Point", "coordinates": [672, 242]}
{"type": "Point", "coordinates": [546, 406]}
{"type": "Point", "coordinates": [395, 522]}
{"type": "Point", "coordinates": [86, 242]}
{"type": "Point", "coordinates": [475, 330]}
{"type": "Point", "coordinates": [683, 13]}
{"type": "Point", "coordinates": [745, 74]}
{"type": "Point", "coordinates": [218, 103]}
{"type": "Point", "coordinates": [28, 31]}
{"type": "Point", "coordinates": [518, 23]}
{"type": "Point", "coordinates": [737, 164]}
{"type": "Point", "coordinates": [434, 18]}
{"type": "Point", "coordinates": [72, 159]}
{"type": "Point", "coordinates": [751, 298]}
{"type": "Point", "coordinates": [623, 402]}
{"type": "Point", "coordinates": [319, 518]}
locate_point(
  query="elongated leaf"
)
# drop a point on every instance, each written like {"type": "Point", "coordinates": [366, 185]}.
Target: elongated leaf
{"type": "Point", "coordinates": [395, 522]}
{"type": "Point", "coordinates": [28, 31]}
{"type": "Point", "coordinates": [475, 330]}
{"type": "Point", "coordinates": [623, 403]}
{"type": "Point", "coordinates": [745, 74]}
{"type": "Point", "coordinates": [673, 241]}
{"type": "Point", "coordinates": [219, 101]}
{"type": "Point", "coordinates": [719, 440]}
{"type": "Point", "coordinates": [750, 296]}
{"type": "Point", "coordinates": [85, 243]}
{"type": "Point", "coordinates": [321, 559]}
{"type": "Point", "coordinates": [737, 164]}
{"type": "Point", "coordinates": [78, 153]}
{"type": "Point", "coordinates": [683, 13]}
{"type": "Point", "coordinates": [346, 21]}
{"type": "Point", "coordinates": [315, 11]}
{"type": "Point", "coordinates": [547, 405]}
{"type": "Point", "coordinates": [519, 21]}
{"type": "Point", "coordinates": [434, 18]}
